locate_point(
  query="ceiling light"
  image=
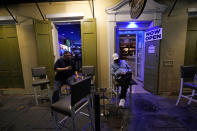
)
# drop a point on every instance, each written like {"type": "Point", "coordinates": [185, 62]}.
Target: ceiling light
{"type": "Point", "coordinates": [132, 25]}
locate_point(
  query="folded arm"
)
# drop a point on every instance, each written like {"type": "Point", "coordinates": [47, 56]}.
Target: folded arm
{"type": "Point", "coordinates": [63, 68]}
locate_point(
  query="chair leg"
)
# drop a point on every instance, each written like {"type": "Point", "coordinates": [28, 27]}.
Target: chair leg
{"type": "Point", "coordinates": [179, 97]}
{"type": "Point", "coordinates": [55, 117]}
{"type": "Point", "coordinates": [92, 101]}
{"type": "Point", "coordinates": [180, 93]}
{"type": "Point", "coordinates": [112, 90]}
{"type": "Point", "coordinates": [35, 94]}
{"type": "Point", "coordinates": [92, 97]}
{"type": "Point", "coordinates": [73, 120]}
{"type": "Point", "coordinates": [130, 90]}
{"type": "Point", "coordinates": [90, 114]}
{"type": "Point", "coordinates": [190, 99]}
{"type": "Point", "coordinates": [117, 92]}
{"type": "Point", "coordinates": [49, 92]}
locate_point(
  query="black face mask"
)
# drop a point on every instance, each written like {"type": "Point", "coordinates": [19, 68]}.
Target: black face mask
{"type": "Point", "coordinates": [117, 61]}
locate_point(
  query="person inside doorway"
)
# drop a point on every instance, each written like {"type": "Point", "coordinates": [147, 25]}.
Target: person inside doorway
{"type": "Point", "coordinates": [123, 75]}
{"type": "Point", "coordinates": [64, 68]}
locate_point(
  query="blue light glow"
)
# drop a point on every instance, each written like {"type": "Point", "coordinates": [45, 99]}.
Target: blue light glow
{"type": "Point", "coordinates": [132, 25]}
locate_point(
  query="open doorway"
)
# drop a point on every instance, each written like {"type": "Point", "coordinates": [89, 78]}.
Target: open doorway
{"type": "Point", "coordinates": [69, 39]}
{"type": "Point", "coordinates": [130, 45]}
{"type": "Point", "coordinates": [127, 48]}
{"type": "Point", "coordinates": [130, 48]}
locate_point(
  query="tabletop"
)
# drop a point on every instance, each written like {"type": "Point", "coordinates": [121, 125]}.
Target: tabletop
{"type": "Point", "coordinates": [73, 79]}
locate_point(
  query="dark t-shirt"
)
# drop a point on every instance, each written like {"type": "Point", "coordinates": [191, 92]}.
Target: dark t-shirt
{"type": "Point", "coordinates": [63, 75]}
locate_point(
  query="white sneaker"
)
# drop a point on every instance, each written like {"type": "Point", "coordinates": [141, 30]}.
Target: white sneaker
{"type": "Point", "coordinates": [122, 103]}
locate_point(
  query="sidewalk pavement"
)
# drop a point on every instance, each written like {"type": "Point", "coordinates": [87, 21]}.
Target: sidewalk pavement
{"type": "Point", "coordinates": [144, 112]}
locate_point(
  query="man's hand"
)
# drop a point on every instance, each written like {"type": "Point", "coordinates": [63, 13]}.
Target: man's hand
{"type": "Point", "coordinates": [63, 68]}
{"type": "Point", "coordinates": [76, 74]}
{"type": "Point", "coordinates": [68, 68]}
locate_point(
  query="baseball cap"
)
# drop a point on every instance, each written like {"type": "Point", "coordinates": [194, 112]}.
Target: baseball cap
{"type": "Point", "coordinates": [115, 56]}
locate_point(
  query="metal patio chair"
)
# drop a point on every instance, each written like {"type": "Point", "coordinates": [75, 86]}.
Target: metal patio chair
{"type": "Point", "coordinates": [40, 79]}
{"type": "Point", "coordinates": [116, 87]}
{"type": "Point", "coordinates": [90, 71]}
{"type": "Point", "coordinates": [71, 104]}
{"type": "Point", "coordinates": [187, 81]}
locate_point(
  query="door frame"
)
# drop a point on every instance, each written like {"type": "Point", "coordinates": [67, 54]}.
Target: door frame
{"type": "Point", "coordinates": [53, 22]}
{"type": "Point", "coordinates": [143, 48]}
{"type": "Point", "coordinates": [121, 12]}
{"type": "Point", "coordinates": [73, 17]}
{"type": "Point", "coordinates": [62, 18]}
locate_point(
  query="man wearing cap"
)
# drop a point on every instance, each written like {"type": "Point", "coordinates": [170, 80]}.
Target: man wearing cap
{"type": "Point", "coordinates": [123, 75]}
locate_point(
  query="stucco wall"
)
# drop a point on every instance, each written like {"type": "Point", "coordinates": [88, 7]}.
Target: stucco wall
{"type": "Point", "coordinates": [173, 45]}
{"type": "Point", "coordinates": [25, 13]}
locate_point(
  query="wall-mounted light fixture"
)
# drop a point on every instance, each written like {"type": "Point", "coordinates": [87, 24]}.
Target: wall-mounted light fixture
{"type": "Point", "coordinates": [132, 25]}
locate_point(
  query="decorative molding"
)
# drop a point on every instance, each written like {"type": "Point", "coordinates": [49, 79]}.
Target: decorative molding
{"type": "Point", "coordinates": [192, 10]}
{"type": "Point", "coordinates": [6, 20]}
{"type": "Point", "coordinates": [65, 16]}
{"type": "Point", "coordinates": [117, 6]}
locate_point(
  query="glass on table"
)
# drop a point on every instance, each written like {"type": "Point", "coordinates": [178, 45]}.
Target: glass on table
{"type": "Point", "coordinates": [82, 77]}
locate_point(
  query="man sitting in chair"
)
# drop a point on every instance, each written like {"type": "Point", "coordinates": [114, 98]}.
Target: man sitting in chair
{"type": "Point", "coordinates": [64, 68]}
{"type": "Point", "coordinates": [123, 75]}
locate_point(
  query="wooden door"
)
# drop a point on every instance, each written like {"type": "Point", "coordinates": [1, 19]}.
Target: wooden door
{"type": "Point", "coordinates": [89, 43]}
{"type": "Point", "coordinates": [45, 55]}
{"type": "Point", "coordinates": [10, 63]}
{"type": "Point", "coordinates": [151, 67]}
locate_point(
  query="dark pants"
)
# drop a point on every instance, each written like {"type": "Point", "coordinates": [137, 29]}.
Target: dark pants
{"type": "Point", "coordinates": [124, 82]}
{"type": "Point", "coordinates": [57, 87]}
{"type": "Point", "coordinates": [56, 90]}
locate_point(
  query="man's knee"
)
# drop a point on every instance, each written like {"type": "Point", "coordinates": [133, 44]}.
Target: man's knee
{"type": "Point", "coordinates": [57, 85]}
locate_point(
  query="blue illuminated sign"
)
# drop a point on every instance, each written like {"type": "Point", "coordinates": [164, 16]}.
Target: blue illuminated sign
{"type": "Point", "coordinates": [153, 34]}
